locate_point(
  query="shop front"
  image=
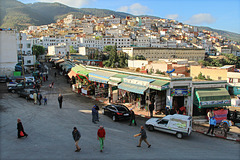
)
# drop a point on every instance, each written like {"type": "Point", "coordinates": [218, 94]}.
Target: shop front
{"type": "Point", "coordinates": [158, 93]}
{"type": "Point", "coordinates": [100, 79]}
{"type": "Point", "coordinates": [80, 80]}
{"type": "Point", "coordinates": [180, 99]}
{"type": "Point", "coordinates": [210, 98]}
{"type": "Point", "coordinates": [135, 90]}
{"type": "Point", "coordinates": [113, 83]}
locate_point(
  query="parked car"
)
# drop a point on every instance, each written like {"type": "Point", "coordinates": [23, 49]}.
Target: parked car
{"type": "Point", "coordinates": [3, 78]}
{"type": "Point", "coordinates": [175, 124]}
{"type": "Point", "coordinates": [27, 93]}
{"type": "Point", "coordinates": [20, 86]}
{"type": "Point", "coordinates": [116, 112]}
{"type": "Point", "coordinates": [11, 84]}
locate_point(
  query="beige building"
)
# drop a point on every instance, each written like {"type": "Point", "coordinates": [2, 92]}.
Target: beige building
{"type": "Point", "coordinates": [214, 73]}
{"type": "Point", "coordinates": [166, 53]}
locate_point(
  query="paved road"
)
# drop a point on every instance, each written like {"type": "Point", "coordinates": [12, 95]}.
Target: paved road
{"type": "Point", "coordinates": [49, 129]}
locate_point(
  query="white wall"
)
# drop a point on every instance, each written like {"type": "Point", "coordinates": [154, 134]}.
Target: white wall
{"type": "Point", "coordinates": [137, 63]}
{"type": "Point", "coordinates": [8, 52]}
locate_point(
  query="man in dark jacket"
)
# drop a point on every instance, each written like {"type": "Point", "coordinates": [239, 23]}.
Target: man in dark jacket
{"type": "Point", "coordinates": [76, 136]}
{"type": "Point", "coordinates": [39, 98]}
{"type": "Point", "coordinates": [151, 108]}
{"type": "Point", "coordinates": [60, 99]}
{"type": "Point", "coordinates": [94, 114]}
{"type": "Point", "coordinates": [132, 118]}
{"type": "Point", "coordinates": [143, 137]}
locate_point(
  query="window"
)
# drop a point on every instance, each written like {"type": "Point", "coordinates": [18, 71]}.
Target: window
{"type": "Point", "coordinates": [219, 78]}
{"type": "Point", "coordinates": [238, 80]}
{"type": "Point", "coordinates": [28, 61]}
{"type": "Point", "coordinates": [163, 121]}
{"type": "Point", "coordinates": [230, 80]}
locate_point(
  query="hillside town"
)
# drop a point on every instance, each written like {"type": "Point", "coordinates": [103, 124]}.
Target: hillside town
{"type": "Point", "coordinates": [150, 67]}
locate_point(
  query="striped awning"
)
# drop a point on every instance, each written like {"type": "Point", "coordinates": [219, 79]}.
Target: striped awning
{"type": "Point", "coordinates": [100, 76]}
{"type": "Point", "coordinates": [132, 88]}
{"type": "Point", "coordinates": [159, 85]}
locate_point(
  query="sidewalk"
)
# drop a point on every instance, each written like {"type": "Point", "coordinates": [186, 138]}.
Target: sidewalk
{"type": "Point", "coordinates": [233, 134]}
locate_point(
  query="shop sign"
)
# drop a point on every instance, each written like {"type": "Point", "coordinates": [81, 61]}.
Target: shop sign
{"type": "Point", "coordinates": [164, 87]}
{"type": "Point", "coordinates": [204, 103]}
{"type": "Point", "coordinates": [180, 92]}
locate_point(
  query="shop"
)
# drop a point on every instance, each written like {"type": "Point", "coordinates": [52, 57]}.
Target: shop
{"type": "Point", "coordinates": [100, 79]}
{"type": "Point", "coordinates": [180, 98]}
{"type": "Point", "coordinates": [211, 98]}
{"type": "Point", "coordinates": [135, 90]}
{"type": "Point", "coordinates": [158, 93]}
{"type": "Point", "coordinates": [113, 83]}
{"type": "Point", "coordinates": [80, 80]}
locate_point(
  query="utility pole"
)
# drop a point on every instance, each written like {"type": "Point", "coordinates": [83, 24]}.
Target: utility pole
{"type": "Point", "coordinates": [20, 46]}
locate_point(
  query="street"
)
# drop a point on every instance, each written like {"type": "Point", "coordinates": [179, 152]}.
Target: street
{"type": "Point", "coordinates": [49, 132]}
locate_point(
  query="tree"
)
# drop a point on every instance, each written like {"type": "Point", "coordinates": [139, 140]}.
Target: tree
{"type": "Point", "coordinates": [38, 50]}
{"type": "Point", "coordinates": [122, 60]}
{"type": "Point", "coordinates": [107, 48]}
{"type": "Point", "coordinates": [200, 76]}
{"type": "Point", "coordinates": [96, 54]}
{"type": "Point", "coordinates": [72, 50]}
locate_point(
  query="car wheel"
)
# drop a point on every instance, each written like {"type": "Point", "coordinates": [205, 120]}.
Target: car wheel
{"type": "Point", "coordinates": [179, 135]}
{"type": "Point", "coordinates": [114, 118]}
{"type": "Point", "coordinates": [150, 128]}
{"type": "Point", "coordinates": [103, 111]}
{"type": "Point", "coordinates": [13, 91]}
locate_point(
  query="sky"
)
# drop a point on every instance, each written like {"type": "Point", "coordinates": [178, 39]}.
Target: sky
{"type": "Point", "coordinates": [217, 14]}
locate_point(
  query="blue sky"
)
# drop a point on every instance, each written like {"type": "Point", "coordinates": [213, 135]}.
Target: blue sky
{"type": "Point", "coordinates": [217, 14]}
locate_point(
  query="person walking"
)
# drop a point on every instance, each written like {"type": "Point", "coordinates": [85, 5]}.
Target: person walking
{"type": "Point", "coordinates": [55, 74]}
{"type": "Point", "coordinates": [76, 136]}
{"type": "Point", "coordinates": [151, 108]}
{"type": "Point", "coordinates": [39, 98]}
{"type": "Point", "coordinates": [45, 100]}
{"type": "Point", "coordinates": [101, 137]}
{"type": "Point", "coordinates": [35, 97]}
{"type": "Point", "coordinates": [60, 99]}
{"type": "Point", "coordinates": [143, 137]}
{"type": "Point", "coordinates": [212, 123]}
{"type": "Point", "coordinates": [20, 129]}
{"type": "Point", "coordinates": [132, 118]}
{"type": "Point", "coordinates": [234, 116]}
{"type": "Point", "coordinates": [94, 114]}
{"type": "Point", "coordinates": [97, 114]}
{"type": "Point", "coordinates": [210, 114]}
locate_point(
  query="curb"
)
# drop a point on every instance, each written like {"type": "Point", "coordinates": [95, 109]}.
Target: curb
{"type": "Point", "coordinates": [227, 138]}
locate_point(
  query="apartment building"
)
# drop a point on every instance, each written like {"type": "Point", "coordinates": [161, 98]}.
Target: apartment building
{"type": "Point", "coordinates": [24, 45]}
{"type": "Point", "coordinates": [120, 41]}
{"type": "Point", "coordinates": [166, 53]}
{"type": "Point", "coordinates": [8, 51]}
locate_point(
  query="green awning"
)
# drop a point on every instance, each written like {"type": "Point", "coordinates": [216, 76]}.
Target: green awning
{"type": "Point", "coordinates": [159, 85]}
{"type": "Point", "coordinates": [81, 70]}
{"type": "Point", "coordinates": [116, 79]}
{"type": "Point", "coordinates": [132, 88]}
{"type": "Point", "coordinates": [212, 97]}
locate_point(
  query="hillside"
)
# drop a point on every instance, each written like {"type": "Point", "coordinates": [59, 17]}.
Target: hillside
{"type": "Point", "coordinates": [14, 14]}
{"type": "Point", "coordinates": [229, 35]}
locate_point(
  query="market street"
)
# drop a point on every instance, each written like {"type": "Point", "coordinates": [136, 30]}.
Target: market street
{"type": "Point", "coordinates": [50, 132]}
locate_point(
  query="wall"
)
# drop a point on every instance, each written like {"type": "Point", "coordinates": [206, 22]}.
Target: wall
{"type": "Point", "coordinates": [137, 63]}
{"type": "Point", "coordinates": [8, 52]}
{"type": "Point", "coordinates": [166, 53]}
{"type": "Point", "coordinates": [213, 73]}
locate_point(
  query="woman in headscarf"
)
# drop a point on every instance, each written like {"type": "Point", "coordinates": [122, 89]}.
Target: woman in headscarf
{"type": "Point", "coordinates": [20, 128]}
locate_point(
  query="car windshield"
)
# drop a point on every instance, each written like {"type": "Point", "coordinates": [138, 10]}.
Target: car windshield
{"type": "Point", "coordinates": [121, 108]}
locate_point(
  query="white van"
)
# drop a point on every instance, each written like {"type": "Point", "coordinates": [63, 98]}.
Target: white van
{"type": "Point", "coordinates": [175, 124]}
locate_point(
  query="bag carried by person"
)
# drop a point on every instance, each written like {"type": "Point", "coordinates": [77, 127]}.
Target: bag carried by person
{"type": "Point", "coordinates": [21, 133]}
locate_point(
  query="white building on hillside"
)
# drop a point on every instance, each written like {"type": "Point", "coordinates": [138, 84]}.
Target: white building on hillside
{"type": "Point", "coordinates": [24, 45]}
{"type": "Point", "coordinates": [8, 52]}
